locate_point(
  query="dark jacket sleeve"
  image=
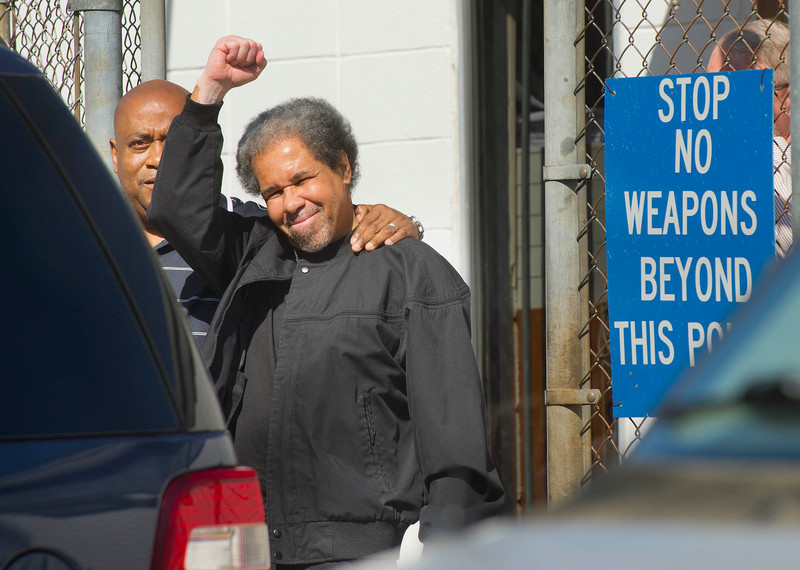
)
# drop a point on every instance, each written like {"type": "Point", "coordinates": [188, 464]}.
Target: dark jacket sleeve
{"type": "Point", "coordinates": [185, 206]}
{"type": "Point", "coordinates": [448, 414]}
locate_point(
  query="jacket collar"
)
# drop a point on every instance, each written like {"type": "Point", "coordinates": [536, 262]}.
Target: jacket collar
{"type": "Point", "coordinates": [337, 249]}
{"type": "Point", "coordinates": [273, 257]}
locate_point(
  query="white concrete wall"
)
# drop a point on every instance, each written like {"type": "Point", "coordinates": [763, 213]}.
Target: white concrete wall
{"type": "Point", "coordinates": [391, 67]}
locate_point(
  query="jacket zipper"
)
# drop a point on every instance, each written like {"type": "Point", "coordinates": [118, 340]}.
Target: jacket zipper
{"type": "Point", "coordinates": [222, 322]}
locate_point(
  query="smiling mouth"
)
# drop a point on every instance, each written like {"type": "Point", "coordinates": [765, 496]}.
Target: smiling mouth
{"type": "Point", "coordinates": [300, 220]}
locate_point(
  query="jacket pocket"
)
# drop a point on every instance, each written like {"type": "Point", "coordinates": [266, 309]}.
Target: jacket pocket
{"type": "Point", "coordinates": [374, 444]}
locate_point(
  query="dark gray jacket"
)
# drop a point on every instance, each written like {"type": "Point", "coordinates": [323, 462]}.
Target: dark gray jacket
{"type": "Point", "coordinates": [377, 414]}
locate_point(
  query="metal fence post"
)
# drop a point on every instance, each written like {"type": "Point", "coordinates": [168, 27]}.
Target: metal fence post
{"type": "Point", "coordinates": [154, 39]}
{"type": "Point", "coordinates": [103, 67]}
{"type": "Point", "coordinates": [5, 23]}
{"type": "Point", "coordinates": [566, 253]}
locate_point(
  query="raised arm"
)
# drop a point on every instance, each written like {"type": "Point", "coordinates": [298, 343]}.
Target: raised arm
{"type": "Point", "coordinates": [185, 203]}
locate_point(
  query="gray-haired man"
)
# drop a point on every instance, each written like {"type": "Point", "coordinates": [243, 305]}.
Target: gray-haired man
{"type": "Point", "coordinates": [349, 379]}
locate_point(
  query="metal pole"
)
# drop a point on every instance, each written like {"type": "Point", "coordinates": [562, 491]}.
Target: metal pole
{"type": "Point", "coordinates": [102, 24]}
{"type": "Point", "coordinates": [5, 23]}
{"type": "Point", "coordinates": [568, 451]}
{"type": "Point", "coordinates": [794, 124]}
{"type": "Point", "coordinates": [154, 39]}
{"type": "Point", "coordinates": [525, 265]}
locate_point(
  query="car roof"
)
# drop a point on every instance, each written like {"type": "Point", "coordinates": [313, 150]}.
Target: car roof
{"type": "Point", "coordinates": [83, 290]}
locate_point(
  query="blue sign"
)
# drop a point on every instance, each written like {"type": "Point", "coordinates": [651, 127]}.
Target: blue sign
{"type": "Point", "coordinates": [689, 219]}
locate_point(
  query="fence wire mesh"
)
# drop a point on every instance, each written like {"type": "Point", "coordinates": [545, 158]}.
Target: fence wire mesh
{"type": "Point", "coordinates": [631, 38]}
{"type": "Point", "coordinates": [51, 37]}
{"type": "Point", "coordinates": [131, 46]}
{"type": "Point", "coordinates": [621, 38]}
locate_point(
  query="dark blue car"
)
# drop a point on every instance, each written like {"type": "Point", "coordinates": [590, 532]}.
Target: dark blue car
{"type": "Point", "coordinates": [113, 450]}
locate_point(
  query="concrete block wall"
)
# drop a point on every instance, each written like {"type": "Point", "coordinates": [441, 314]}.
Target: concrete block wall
{"type": "Point", "coordinates": [391, 67]}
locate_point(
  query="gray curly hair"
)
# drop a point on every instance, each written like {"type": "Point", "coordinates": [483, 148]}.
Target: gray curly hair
{"type": "Point", "coordinates": [323, 130]}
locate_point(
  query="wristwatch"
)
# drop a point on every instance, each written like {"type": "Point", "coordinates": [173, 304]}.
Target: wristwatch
{"type": "Point", "coordinates": [420, 229]}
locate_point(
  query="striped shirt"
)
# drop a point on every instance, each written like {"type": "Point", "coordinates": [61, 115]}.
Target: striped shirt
{"type": "Point", "coordinates": [782, 182]}
{"type": "Point", "coordinates": [199, 302]}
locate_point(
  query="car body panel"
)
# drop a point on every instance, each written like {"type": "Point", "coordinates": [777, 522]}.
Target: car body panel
{"type": "Point", "coordinates": [582, 544]}
{"type": "Point", "coordinates": [105, 398]}
{"type": "Point", "coordinates": [95, 501]}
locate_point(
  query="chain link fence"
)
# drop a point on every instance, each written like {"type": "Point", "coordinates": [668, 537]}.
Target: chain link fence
{"type": "Point", "coordinates": [51, 37]}
{"type": "Point", "coordinates": [131, 45]}
{"type": "Point", "coordinates": [631, 38]}
{"type": "Point", "coordinates": [621, 38]}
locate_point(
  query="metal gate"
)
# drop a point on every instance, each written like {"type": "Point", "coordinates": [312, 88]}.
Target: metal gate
{"type": "Point", "coordinates": [585, 45]}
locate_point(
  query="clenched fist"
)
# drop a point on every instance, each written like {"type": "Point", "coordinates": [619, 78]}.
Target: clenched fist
{"type": "Point", "coordinates": [233, 62]}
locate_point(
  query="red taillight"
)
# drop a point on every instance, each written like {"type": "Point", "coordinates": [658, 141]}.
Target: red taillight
{"type": "Point", "coordinates": [212, 520]}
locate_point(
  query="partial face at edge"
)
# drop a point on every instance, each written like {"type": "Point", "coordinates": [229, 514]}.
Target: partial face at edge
{"type": "Point", "coordinates": [306, 199]}
{"type": "Point", "coordinates": [781, 104]}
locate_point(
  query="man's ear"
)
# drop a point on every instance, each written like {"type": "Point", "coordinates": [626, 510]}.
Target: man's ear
{"type": "Point", "coordinates": [344, 166]}
{"type": "Point", "coordinates": [113, 144]}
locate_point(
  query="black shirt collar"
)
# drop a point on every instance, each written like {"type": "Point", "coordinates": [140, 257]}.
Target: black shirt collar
{"type": "Point", "coordinates": [339, 248]}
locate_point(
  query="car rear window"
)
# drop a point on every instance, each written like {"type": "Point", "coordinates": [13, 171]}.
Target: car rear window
{"type": "Point", "coordinates": [73, 355]}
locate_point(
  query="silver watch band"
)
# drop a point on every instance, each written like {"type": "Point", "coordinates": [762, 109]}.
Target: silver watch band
{"type": "Point", "coordinates": [420, 228]}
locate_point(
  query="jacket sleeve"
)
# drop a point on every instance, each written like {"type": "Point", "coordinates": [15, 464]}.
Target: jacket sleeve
{"type": "Point", "coordinates": [448, 417]}
{"type": "Point", "coordinates": [185, 206]}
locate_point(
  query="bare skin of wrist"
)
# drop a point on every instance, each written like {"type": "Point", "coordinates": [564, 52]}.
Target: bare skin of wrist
{"type": "Point", "coordinates": [208, 92]}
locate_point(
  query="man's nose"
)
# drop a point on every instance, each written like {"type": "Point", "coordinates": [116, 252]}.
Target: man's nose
{"type": "Point", "coordinates": [154, 154]}
{"type": "Point", "coordinates": [292, 200]}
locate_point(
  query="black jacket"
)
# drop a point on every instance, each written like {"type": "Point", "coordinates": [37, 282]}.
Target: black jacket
{"type": "Point", "coordinates": [377, 414]}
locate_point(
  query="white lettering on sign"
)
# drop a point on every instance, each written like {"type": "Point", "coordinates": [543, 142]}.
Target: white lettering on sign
{"type": "Point", "coordinates": [643, 339]}
{"type": "Point", "coordinates": [704, 97]}
{"type": "Point", "coordinates": [648, 343]}
{"type": "Point", "coordinates": [727, 212]}
{"type": "Point", "coordinates": [729, 279]}
{"type": "Point", "coordinates": [701, 85]}
{"type": "Point", "coordinates": [720, 81]}
{"type": "Point", "coordinates": [693, 149]}
{"type": "Point", "coordinates": [683, 150]}
{"type": "Point", "coordinates": [699, 335]}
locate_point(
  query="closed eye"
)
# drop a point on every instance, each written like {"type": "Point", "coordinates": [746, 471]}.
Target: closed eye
{"type": "Point", "coordinates": [298, 180]}
{"type": "Point", "coordinates": [269, 193]}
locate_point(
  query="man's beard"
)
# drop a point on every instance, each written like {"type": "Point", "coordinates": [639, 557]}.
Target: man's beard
{"type": "Point", "coordinates": [312, 239]}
